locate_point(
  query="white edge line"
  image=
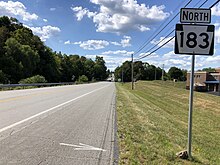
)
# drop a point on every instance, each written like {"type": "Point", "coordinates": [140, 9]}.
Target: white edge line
{"type": "Point", "coordinates": [48, 110]}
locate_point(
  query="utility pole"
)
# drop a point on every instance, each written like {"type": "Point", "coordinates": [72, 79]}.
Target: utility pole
{"type": "Point", "coordinates": [155, 74]}
{"type": "Point", "coordinates": [122, 75]}
{"type": "Point", "coordinates": [132, 71]}
{"type": "Point", "coordinates": [162, 71]}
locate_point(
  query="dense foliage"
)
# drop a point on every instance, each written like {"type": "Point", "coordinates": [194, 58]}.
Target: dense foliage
{"type": "Point", "coordinates": [142, 71]}
{"type": "Point", "coordinates": [23, 55]}
{"type": "Point", "coordinates": [33, 79]}
{"type": "Point", "coordinates": [145, 71]}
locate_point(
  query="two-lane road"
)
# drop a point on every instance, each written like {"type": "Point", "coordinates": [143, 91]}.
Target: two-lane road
{"type": "Point", "coordinates": [58, 125]}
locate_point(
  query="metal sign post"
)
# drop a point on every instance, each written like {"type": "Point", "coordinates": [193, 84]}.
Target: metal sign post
{"type": "Point", "coordinates": [189, 148]}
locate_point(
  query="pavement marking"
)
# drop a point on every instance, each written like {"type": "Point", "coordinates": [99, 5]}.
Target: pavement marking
{"type": "Point", "coordinates": [48, 110]}
{"type": "Point", "coordinates": [21, 97]}
{"type": "Point", "coordinates": [34, 94]}
{"type": "Point", "coordinates": [83, 147]}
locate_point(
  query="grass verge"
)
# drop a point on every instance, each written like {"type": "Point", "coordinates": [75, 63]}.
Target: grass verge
{"type": "Point", "coordinates": [153, 124]}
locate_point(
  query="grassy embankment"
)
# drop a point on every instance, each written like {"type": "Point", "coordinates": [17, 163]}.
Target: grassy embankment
{"type": "Point", "coordinates": [153, 124]}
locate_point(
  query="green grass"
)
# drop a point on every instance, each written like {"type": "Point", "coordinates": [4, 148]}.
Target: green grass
{"type": "Point", "coordinates": [153, 124]}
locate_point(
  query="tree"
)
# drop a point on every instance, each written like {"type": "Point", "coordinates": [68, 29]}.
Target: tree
{"type": "Point", "coordinates": [23, 55]}
{"type": "Point", "coordinates": [3, 77]}
{"type": "Point", "coordinates": [26, 58]}
{"type": "Point", "coordinates": [100, 69]}
{"type": "Point", "coordinates": [124, 72]}
{"type": "Point", "coordinates": [175, 73]}
{"type": "Point", "coordinates": [209, 69]}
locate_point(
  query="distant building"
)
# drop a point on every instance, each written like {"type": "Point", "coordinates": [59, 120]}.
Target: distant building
{"type": "Point", "coordinates": [205, 81]}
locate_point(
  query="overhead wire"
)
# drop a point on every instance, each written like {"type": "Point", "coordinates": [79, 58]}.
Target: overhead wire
{"type": "Point", "coordinates": [154, 36]}
{"type": "Point", "coordinates": [148, 54]}
{"type": "Point", "coordinates": [173, 30]}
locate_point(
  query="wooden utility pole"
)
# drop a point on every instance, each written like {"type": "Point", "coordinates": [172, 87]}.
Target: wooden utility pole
{"type": "Point", "coordinates": [132, 71]}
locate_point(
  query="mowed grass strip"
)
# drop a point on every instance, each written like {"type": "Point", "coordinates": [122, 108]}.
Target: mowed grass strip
{"type": "Point", "coordinates": [153, 124]}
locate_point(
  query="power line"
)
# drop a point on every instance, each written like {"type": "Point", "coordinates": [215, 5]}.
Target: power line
{"type": "Point", "coordinates": [215, 4]}
{"type": "Point", "coordinates": [157, 48]}
{"type": "Point", "coordinates": [154, 36]}
{"type": "Point", "coordinates": [159, 42]}
{"type": "Point", "coordinates": [148, 54]}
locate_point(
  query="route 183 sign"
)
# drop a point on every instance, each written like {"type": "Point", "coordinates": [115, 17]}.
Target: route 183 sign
{"type": "Point", "coordinates": [194, 39]}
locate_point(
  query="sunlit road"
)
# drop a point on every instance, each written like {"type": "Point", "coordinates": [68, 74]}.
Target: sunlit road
{"type": "Point", "coordinates": [58, 125]}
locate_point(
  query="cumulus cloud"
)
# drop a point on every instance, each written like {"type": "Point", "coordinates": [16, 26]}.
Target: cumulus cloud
{"type": "Point", "coordinates": [45, 32]}
{"type": "Point", "coordinates": [216, 10]}
{"type": "Point", "coordinates": [115, 43]}
{"type": "Point", "coordinates": [45, 20]}
{"type": "Point", "coordinates": [100, 44]}
{"type": "Point", "coordinates": [67, 42]}
{"type": "Point", "coordinates": [217, 35]}
{"type": "Point", "coordinates": [118, 52]}
{"type": "Point", "coordinates": [120, 16]}
{"type": "Point", "coordinates": [125, 42]}
{"type": "Point", "coordinates": [92, 44]}
{"type": "Point", "coordinates": [52, 9]}
{"type": "Point", "coordinates": [16, 9]}
{"type": "Point", "coordinates": [80, 12]}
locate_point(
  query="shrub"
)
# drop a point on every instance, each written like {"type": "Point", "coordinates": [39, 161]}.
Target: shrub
{"type": "Point", "coordinates": [34, 79]}
{"type": "Point", "coordinates": [83, 78]}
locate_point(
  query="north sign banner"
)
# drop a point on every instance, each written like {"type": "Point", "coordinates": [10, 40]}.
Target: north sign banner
{"type": "Point", "coordinates": [195, 15]}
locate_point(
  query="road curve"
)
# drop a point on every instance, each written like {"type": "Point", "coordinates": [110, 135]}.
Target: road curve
{"type": "Point", "coordinates": [58, 125]}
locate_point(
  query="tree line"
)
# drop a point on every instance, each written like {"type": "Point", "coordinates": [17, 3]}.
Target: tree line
{"type": "Point", "coordinates": [23, 55]}
{"type": "Point", "coordinates": [145, 71]}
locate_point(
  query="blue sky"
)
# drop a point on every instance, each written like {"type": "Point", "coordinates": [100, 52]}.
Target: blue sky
{"type": "Point", "coordinates": [113, 29]}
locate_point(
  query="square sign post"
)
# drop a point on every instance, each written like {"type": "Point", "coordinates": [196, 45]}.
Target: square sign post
{"type": "Point", "coordinates": [194, 39]}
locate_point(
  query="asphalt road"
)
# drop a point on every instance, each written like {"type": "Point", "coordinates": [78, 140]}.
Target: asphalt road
{"type": "Point", "coordinates": [59, 125]}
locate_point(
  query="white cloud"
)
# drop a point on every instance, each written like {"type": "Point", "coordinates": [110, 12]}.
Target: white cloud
{"type": "Point", "coordinates": [143, 28]}
{"type": "Point", "coordinates": [92, 44]}
{"type": "Point", "coordinates": [45, 32]}
{"type": "Point", "coordinates": [120, 16]}
{"type": "Point", "coordinates": [163, 40]}
{"type": "Point", "coordinates": [52, 9]}
{"type": "Point", "coordinates": [16, 9]}
{"type": "Point", "coordinates": [45, 20]}
{"type": "Point", "coordinates": [67, 42]}
{"type": "Point", "coordinates": [116, 43]}
{"type": "Point", "coordinates": [118, 52]}
{"type": "Point", "coordinates": [125, 42]}
{"type": "Point", "coordinates": [80, 12]}
{"type": "Point", "coordinates": [216, 10]}
{"type": "Point", "coordinates": [100, 44]}
{"type": "Point", "coordinates": [217, 35]}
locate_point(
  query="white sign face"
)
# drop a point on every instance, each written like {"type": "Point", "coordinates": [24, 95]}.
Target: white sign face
{"type": "Point", "coordinates": [194, 39]}
{"type": "Point", "coordinates": [193, 15]}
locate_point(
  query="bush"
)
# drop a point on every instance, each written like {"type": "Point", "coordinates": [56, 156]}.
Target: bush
{"type": "Point", "coordinates": [34, 79]}
{"type": "Point", "coordinates": [3, 77]}
{"type": "Point", "coordinates": [83, 78]}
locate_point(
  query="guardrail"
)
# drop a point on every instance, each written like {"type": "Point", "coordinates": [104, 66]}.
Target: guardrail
{"type": "Point", "coordinates": [35, 84]}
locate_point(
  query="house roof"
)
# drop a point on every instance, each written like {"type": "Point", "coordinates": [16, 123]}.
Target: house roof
{"type": "Point", "coordinates": [212, 82]}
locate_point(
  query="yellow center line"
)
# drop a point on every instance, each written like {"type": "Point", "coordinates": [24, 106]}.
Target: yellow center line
{"type": "Point", "coordinates": [21, 97]}
{"type": "Point", "coordinates": [31, 95]}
